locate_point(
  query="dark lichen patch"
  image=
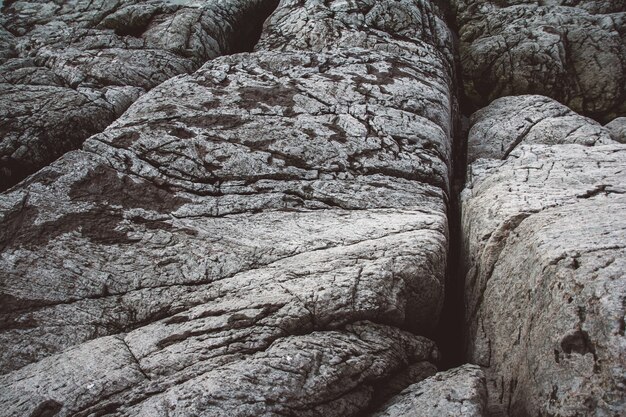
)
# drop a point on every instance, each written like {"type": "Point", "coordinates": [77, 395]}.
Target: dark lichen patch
{"type": "Point", "coordinates": [11, 304]}
{"type": "Point", "coordinates": [167, 108]}
{"type": "Point", "coordinates": [577, 342]}
{"type": "Point", "coordinates": [339, 134]}
{"type": "Point", "coordinates": [162, 225]}
{"type": "Point", "coordinates": [173, 339]}
{"type": "Point", "coordinates": [214, 121]}
{"type": "Point", "coordinates": [211, 105]}
{"type": "Point", "coordinates": [310, 133]}
{"type": "Point", "coordinates": [17, 322]}
{"type": "Point", "coordinates": [384, 77]}
{"type": "Point", "coordinates": [98, 225]}
{"type": "Point", "coordinates": [279, 95]}
{"type": "Point", "coordinates": [332, 77]}
{"type": "Point", "coordinates": [181, 132]}
{"type": "Point", "coordinates": [177, 320]}
{"type": "Point", "coordinates": [105, 186]}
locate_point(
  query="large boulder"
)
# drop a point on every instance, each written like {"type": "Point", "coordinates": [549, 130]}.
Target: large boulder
{"type": "Point", "coordinates": [544, 230]}
{"type": "Point", "coordinates": [507, 122]}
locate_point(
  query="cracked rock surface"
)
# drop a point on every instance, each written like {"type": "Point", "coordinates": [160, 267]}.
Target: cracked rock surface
{"type": "Point", "coordinates": [69, 69]}
{"type": "Point", "coordinates": [572, 51]}
{"type": "Point", "coordinates": [545, 244]}
{"type": "Point", "coordinates": [265, 236]}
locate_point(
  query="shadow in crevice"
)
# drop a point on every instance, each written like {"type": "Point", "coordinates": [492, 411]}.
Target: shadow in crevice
{"type": "Point", "coordinates": [451, 333]}
{"type": "Point", "coordinates": [251, 27]}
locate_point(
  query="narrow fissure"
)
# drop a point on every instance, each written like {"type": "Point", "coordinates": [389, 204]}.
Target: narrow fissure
{"type": "Point", "coordinates": [450, 334]}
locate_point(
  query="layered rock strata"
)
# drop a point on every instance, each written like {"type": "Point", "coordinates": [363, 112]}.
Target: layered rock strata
{"type": "Point", "coordinates": [69, 69]}
{"type": "Point", "coordinates": [572, 51]}
{"type": "Point", "coordinates": [265, 236]}
{"type": "Point", "coordinates": [545, 244]}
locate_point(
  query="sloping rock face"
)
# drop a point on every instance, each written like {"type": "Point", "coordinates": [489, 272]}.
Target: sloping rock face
{"type": "Point", "coordinates": [69, 69]}
{"type": "Point", "coordinates": [572, 51]}
{"type": "Point", "coordinates": [265, 236]}
{"type": "Point", "coordinates": [545, 245]}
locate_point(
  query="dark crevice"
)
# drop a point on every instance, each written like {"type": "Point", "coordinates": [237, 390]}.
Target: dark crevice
{"type": "Point", "coordinates": [251, 27]}
{"type": "Point", "coordinates": [451, 333]}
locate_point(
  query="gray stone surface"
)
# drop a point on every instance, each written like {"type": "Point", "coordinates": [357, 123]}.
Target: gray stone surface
{"type": "Point", "coordinates": [68, 69]}
{"type": "Point", "coordinates": [554, 48]}
{"type": "Point", "coordinates": [507, 122]}
{"type": "Point", "coordinates": [453, 393]}
{"type": "Point", "coordinates": [545, 238]}
{"type": "Point", "coordinates": [265, 236]}
{"type": "Point", "coordinates": [617, 128]}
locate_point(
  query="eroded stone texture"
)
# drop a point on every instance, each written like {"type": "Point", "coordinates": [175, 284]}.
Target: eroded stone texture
{"type": "Point", "coordinates": [68, 69]}
{"type": "Point", "coordinates": [545, 239]}
{"type": "Point", "coordinates": [555, 48]}
{"type": "Point", "coordinates": [230, 229]}
{"type": "Point", "coordinates": [457, 392]}
{"type": "Point", "coordinates": [510, 121]}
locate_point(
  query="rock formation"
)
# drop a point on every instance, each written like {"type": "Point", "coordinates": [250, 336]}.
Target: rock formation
{"type": "Point", "coordinates": [251, 208]}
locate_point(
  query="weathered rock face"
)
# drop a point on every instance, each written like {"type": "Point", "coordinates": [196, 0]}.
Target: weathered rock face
{"type": "Point", "coordinates": [457, 392]}
{"type": "Point", "coordinates": [545, 238]}
{"type": "Point", "coordinates": [70, 68]}
{"type": "Point", "coordinates": [267, 233]}
{"type": "Point", "coordinates": [555, 48]}
{"type": "Point", "coordinates": [265, 236]}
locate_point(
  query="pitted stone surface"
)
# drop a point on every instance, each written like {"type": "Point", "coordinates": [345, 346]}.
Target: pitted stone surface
{"type": "Point", "coordinates": [322, 373]}
{"type": "Point", "coordinates": [387, 25]}
{"type": "Point", "coordinates": [68, 69]}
